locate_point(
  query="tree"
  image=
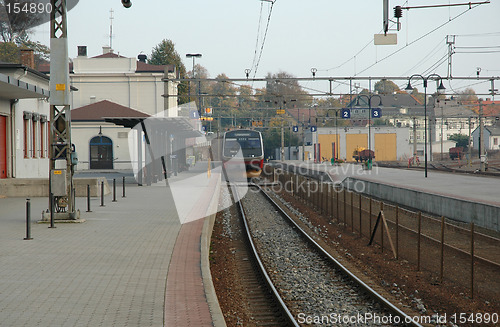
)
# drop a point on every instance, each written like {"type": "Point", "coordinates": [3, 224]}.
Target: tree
{"type": "Point", "coordinates": [14, 27]}
{"type": "Point", "coordinates": [386, 87]}
{"type": "Point", "coordinates": [15, 31]}
{"type": "Point", "coordinates": [288, 90]}
{"type": "Point", "coordinates": [41, 51]}
{"type": "Point", "coordinates": [9, 52]}
{"type": "Point", "coordinates": [462, 140]}
{"type": "Point", "coordinates": [224, 95]}
{"type": "Point", "coordinates": [165, 54]}
{"type": "Point", "coordinates": [468, 96]}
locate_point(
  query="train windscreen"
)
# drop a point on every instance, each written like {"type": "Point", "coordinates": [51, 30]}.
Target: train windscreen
{"type": "Point", "coordinates": [250, 145]}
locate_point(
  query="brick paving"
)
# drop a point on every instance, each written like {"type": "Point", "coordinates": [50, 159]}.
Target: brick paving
{"type": "Point", "coordinates": [109, 271]}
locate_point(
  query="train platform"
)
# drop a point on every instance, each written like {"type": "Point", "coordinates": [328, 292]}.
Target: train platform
{"type": "Point", "coordinates": [482, 189]}
{"type": "Point", "coordinates": [464, 198]}
{"type": "Point", "coordinates": [132, 263]}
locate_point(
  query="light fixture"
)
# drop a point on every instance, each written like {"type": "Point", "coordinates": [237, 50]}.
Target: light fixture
{"type": "Point", "coordinates": [441, 86]}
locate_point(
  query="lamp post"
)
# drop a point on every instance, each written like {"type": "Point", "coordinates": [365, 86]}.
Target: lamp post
{"type": "Point", "coordinates": [193, 55]}
{"type": "Point", "coordinates": [439, 88]}
{"type": "Point", "coordinates": [369, 98]}
{"type": "Point", "coordinates": [336, 155]}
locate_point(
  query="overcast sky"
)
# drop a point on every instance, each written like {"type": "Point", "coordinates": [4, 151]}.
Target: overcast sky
{"type": "Point", "coordinates": [335, 37]}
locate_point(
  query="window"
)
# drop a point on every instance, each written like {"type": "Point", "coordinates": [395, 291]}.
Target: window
{"type": "Point", "coordinates": [43, 136]}
{"type": "Point", "coordinates": [495, 141]}
{"type": "Point", "coordinates": [27, 146]}
{"type": "Point", "coordinates": [34, 136]}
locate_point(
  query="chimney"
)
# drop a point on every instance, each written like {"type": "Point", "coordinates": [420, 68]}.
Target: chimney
{"type": "Point", "coordinates": [142, 57]}
{"type": "Point", "coordinates": [82, 51]}
{"type": "Point", "coordinates": [28, 58]}
{"type": "Point", "coordinates": [106, 50]}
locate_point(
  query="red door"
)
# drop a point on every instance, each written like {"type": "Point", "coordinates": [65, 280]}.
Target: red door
{"type": "Point", "coordinates": [3, 147]}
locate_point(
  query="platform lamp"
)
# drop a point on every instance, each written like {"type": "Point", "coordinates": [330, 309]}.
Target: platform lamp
{"type": "Point", "coordinates": [194, 55]}
{"type": "Point", "coordinates": [439, 88]}
{"type": "Point", "coordinates": [369, 98]}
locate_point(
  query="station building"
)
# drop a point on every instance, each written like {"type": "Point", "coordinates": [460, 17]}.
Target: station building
{"type": "Point", "coordinates": [24, 120]}
{"type": "Point", "coordinates": [115, 93]}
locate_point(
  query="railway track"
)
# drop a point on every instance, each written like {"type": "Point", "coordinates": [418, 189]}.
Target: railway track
{"type": "Point", "coordinates": [251, 300]}
{"type": "Point", "coordinates": [313, 286]}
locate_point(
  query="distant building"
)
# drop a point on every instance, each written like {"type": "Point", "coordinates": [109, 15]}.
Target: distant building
{"type": "Point", "coordinates": [388, 143]}
{"type": "Point", "coordinates": [99, 144]}
{"type": "Point", "coordinates": [126, 81]}
{"type": "Point", "coordinates": [114, 94]}
{"type": "Point", "coordinates": [491, 138]}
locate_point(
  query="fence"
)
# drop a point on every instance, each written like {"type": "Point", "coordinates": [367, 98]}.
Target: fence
{"type": "Point", "coordinates": [459, 254]}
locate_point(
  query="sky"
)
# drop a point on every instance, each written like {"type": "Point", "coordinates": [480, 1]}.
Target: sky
{"type": "Point", "coordinates": [334, 37]}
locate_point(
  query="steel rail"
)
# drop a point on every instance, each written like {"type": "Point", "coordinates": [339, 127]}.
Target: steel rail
{"type": "Point", "coordinates": [374, 294]}
{"type": "Point", "coordinates": [269, 282]}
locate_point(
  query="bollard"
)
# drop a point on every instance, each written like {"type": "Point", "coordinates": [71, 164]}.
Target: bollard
{"type": "Point", "coordinates": [28, 220]}
{"type": "Point", "coordinates": [114, 189]}
{"type": "Point", "coordinates": [102, 194]}
{"type": "Point", "coordinates": [123, 187]}
{"type": "Point", "coordinates": [51, 200]}
{"type": "Point", "coordinates": [88, 198]}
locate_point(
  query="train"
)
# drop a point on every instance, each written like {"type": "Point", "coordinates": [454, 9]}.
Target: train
{"type": "Point", "coordinates": [252, 148]}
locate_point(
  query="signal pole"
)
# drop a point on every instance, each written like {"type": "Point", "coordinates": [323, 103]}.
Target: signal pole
{"type": "Point", "coordinates": [60, 114]}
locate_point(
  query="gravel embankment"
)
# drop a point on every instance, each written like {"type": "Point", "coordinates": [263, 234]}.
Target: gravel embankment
{"type": "Point", "coordinates": [313, 290]}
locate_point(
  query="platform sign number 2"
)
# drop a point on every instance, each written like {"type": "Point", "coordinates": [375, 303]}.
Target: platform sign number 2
{"type": "Point", "coordinates": [346, 113]}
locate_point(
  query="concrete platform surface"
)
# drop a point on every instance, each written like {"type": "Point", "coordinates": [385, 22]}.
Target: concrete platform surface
{"type": "Point", "coordinates": [109, 271]}
{"type": "Point", "coordinates": [482, 189]}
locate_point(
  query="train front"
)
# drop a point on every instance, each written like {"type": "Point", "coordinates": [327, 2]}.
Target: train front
{"type": "Point", "coordinates": [248, 146]}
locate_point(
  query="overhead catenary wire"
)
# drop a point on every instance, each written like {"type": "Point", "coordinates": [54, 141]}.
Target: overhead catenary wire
{"type": "Point", "coordinates": [264, 38]}
{"type": "Point", "coordinates": [436, 65]}
{"type": "Point", "coordinates": [258, 35]}
{"type": "Point", "coordinates": [430, 54]}
{"type": "Point", "coordinates": [419, 38]}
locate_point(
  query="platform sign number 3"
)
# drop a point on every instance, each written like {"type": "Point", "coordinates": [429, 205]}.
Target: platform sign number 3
{"type": "Point", "coordinates": [376, 113]}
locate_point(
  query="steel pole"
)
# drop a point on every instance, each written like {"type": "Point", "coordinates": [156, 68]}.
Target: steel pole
{"type": "Point", "coordinates": [425, 126]}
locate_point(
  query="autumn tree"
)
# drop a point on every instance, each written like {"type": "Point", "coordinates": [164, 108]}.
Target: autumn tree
{"type": "Point", "coordinates": [224, 93]}
{"type": "Point", "coordinates": [386, 87]}
{"type": "Point", "coordinates": [9, 52]}
{"type": "Point", "coordinates": [468, 96]}
{"type": "Point", "coordinates": [15, 31]}
{"type": "Point", "coordinates": [165, 54]}
{"type": "Point", "coordinates": [289, 91]}
{"type": "Point", "coordinates": [15, 27]}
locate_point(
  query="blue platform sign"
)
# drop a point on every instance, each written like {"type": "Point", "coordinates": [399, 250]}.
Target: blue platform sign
{"type": "Point", "coordinates": [346, 113]}
{"type": "Point", "coordinates": [295, 129]}
{"type": "Point", "coordinates": [314, 129]}
{"type": "Point", "coordinates": [376, 113]}
{"type": "Point", "coordinates": [194, 114]}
